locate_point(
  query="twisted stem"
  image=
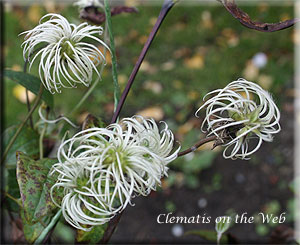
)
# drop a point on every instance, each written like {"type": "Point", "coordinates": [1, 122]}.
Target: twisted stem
{"type": "Point", "coordinates": [197, 145]}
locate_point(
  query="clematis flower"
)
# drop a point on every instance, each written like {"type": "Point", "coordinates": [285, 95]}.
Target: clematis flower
{"type": "Point", "coordinates": [66, 59]}
{"type": "Point", "coordinates": [101, 169]}
{"type": "Point", "coordinates": [241, 115]}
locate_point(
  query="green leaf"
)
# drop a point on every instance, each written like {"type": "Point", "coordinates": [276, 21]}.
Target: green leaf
{"type": "Point", "coordinates": [27, 142]}
{"type": "Point", "coordinates": [93, 236]}
{"type": "Point", "coordinates": [33, 231]}
{"type": "Point", "coordinates": [208, 235]}
{"type": "Point", "coordinates": [35, 185]}
{"type": "Point", "coordinates": [32, 83]}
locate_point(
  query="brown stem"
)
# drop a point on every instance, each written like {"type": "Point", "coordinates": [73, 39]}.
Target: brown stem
{"type": "Point", "coordinates": [167, 5]}
{"type": "Point", "coordinates": [197, 145]}
{"type": "Point", "coordinates": [111, 228]}
{"type": "Point", "coordinates": [245, 19]}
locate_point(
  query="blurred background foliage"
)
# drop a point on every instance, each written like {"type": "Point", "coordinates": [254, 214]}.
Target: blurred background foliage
{"type": "Point", "coordinates": [198, 48]}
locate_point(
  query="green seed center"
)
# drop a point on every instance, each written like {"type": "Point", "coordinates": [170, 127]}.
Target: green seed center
{"type": "Point", "coordinates": [114, 155]}
{"type": "Point", "coordinates": [66, 48]}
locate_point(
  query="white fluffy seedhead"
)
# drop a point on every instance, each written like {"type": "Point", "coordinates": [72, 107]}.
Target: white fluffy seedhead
{"type": "Point", "coordinates": [101, 169]}
{"type": "Point", "coordinates": [66, 59]}
{"type": "Point", "coordinates": [240, 113]}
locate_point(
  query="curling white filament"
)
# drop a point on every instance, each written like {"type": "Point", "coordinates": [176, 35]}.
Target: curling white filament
{"type": "Point", "coordinates": [149, 135]}
{"type": "Point", "coordinates": [101, 169]}
{"type": "Point", "coordinates": [241, 111]}
{"type": "Point", "coordinates": [66, 59]}
{"type": "Point", "coordinates": [44, 120]}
